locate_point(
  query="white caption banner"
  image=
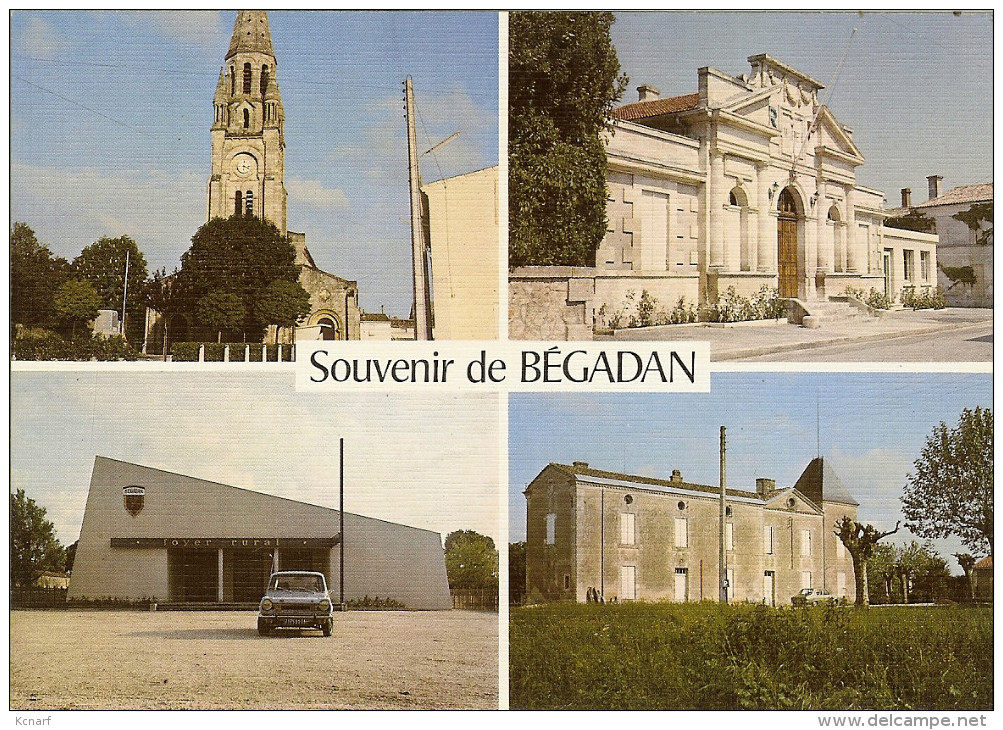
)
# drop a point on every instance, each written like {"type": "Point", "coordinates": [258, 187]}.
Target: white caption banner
{"type": "Point", "coordinates": [682, 367]}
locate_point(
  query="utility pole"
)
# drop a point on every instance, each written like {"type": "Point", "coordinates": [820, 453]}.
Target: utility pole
{"type": "Point", "coordinates": [723, 552]}
{"type": "Point", "coordinates": [341, 526]}
{"type": "Point", "coordinates": [125, 291]}
{"type": "Point", "coordinates": [419, 244]}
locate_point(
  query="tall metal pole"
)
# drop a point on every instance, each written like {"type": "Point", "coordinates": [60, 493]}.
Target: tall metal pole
{"type": "Point", "coordinates": [125, 291]}
{"type": "Point", "coordinates": [341, 525]}
{"type": "Point", "coordinates": [602, 544]}
{"type": "Point", "coordinates": [723, 559]}
{"type": "Point", "coordinates": [419, 246]}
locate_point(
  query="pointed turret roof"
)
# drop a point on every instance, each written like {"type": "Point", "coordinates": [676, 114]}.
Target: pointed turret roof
{"type": "Point", "coordinates": [820, 483]}
{"type": "Point", "coordinates": [221, 86]}
{"type": "Point", "coordinates": [250, 34]}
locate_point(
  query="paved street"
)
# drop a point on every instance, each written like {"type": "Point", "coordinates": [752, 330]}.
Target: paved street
{"type": "Point", "coordinates": [968, 344]}
{"type": "Point", "coordinates": [947, 335]}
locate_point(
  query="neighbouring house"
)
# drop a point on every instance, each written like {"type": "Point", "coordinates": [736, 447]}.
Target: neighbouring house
{"type": "Point", "coordinates": [630, 537]}
{"type": "Point", "coordinates": [149, 534]}
{"type": "Point", "coordinates": [462, 214]}
{"type": "Point", "coordinates": [748, 182]}
{"type": "Point", "coordinates": [962, 218]}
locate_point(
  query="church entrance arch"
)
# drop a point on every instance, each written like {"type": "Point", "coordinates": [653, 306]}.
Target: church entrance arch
{"type": "Point", "coordinates": [787, 244]}
{"type": "Point", "coordinates": [330, 325]}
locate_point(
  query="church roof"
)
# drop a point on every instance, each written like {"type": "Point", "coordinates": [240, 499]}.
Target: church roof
{"type": "Point", "coordinates": [978, 193]}
{"type": "Point", "coordinates": [985, 564]}
{"type": "Point", "coordinates": [820, 483]}
{"type": "Point", "coordinates": [250, 34]}
{"type": "Point", "coordinates": [657, 107]}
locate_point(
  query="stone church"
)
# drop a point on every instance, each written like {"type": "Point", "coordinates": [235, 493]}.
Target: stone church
{"type": "Point", "coordinates": [247, 174]}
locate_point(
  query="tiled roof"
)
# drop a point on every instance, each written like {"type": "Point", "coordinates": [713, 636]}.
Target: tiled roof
{"type": "Point", "coordinates": [820, 483]}
{"type": "Point", "coordinates": [641, 481]}
{"type": "Point", "coordinates": [981, 192]}
{"type": "Point", "coordinates": [374, 317]}
{"type": "Point", "coordinates": [986, 563]}
{"type": "Point", "coordinates": [645, 109]}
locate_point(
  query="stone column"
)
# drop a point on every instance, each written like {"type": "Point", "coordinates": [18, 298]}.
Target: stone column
{"type": "Point", "coordinates": [850, 237]}
{"type": "Point", "coordinates": [219, 575]}
{"type": "Point", "coordinates": [716, 198]}
{"type": "Point", "coordinates": [810, 249]}
{"type": "Point", "coordinates": [823, 236]}
{"type": "Point", "coordinates": [767, 243]}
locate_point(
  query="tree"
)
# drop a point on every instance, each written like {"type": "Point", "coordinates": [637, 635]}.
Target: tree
{"type": "Point", "coordinates": [516, 572]}
{"type": "Point", "coordinates": [282, 303]}
{"type": "Point", "coordinates": [564, 78]}
{"type": "Point", "coordinates": [75, 303]}
{"type": "Point", "coordinates": [220, 311]}
{"type": "Point", "coordinates": [917, 565]}
{"type": "Point", "coordinates": [951, 489]}
{"type": "Point", "coordinates": [914, 220]}
{"type": "Point", "coordinates": [162, 293]}
{"type": "Point", "coordinates": [967, 563]}
{"type": "Point", "coordinates": [71, 556]}
{"type": "Point", "coordinates": [881, 566]}
{"type": "Point", "coordinates": [103, 265]}
{"type": "Point", "coordinates": [33, 544]}
{"type": "Point", "coordinates": [471, 560]}
{"type": "Point", "coordinates": [860, 540]}
{"type": "Point", "coordinates": [240, 256]}
{"type": "Point", "coordinates": [35, 275]}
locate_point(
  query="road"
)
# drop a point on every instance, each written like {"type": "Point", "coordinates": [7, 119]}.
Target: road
{"type": "Point", "coordinates": [211, 660]}
{"type": "Point", "coordinates": [965, 344]}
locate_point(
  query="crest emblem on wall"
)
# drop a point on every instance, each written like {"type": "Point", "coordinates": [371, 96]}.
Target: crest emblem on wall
{"type": "Point", "coordinates": [133, 498]}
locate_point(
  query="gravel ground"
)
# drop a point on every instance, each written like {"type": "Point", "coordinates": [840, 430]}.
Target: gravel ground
{"type": "Point", "coordinates": [129, 660]}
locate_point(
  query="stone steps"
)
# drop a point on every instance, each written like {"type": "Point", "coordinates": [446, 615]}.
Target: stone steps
{"type": "Point", "coordinates": [819, 313]}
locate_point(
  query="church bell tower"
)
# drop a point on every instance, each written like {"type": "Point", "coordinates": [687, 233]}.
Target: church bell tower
{"type": "Point", "coordinates": [248, 148]}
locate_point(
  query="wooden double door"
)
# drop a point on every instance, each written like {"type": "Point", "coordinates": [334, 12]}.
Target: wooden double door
{"type": "Point", "coordinates": [787, 246]}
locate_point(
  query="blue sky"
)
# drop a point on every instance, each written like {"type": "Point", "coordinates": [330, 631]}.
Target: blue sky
{"type": "Point", "coordinates": [252, 430]}
{"type": "Point", "coordinates": [110, 115]}
{"type": "Point", "coordinates": [916, 88]}
{"type": "Point", "coordinates": [873, 427]}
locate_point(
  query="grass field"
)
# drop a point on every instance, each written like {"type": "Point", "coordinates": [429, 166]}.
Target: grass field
{"type": "Point", "coordinates": [707, 656]}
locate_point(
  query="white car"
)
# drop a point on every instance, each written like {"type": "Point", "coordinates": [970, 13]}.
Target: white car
{"type": "Point", "coordinates": [296, 599]}
{"type": "Point", "coordinates": [813, 597]}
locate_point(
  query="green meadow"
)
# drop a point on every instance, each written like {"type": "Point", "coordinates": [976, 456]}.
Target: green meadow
{"type": "Point", "coordinates": [708, 656]}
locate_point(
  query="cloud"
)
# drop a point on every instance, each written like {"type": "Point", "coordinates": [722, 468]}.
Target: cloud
{"type": "Point", "coordinates": [40, 39]}
{"type": "Point", "coordinates": [314, 193]}
{"type": "Point", "coordinates": [72, 208]}
{"type": "Point", "coordinates": [205, 29]}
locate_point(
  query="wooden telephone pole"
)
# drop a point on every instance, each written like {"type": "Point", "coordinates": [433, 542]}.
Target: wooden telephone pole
{"type": "Point", "coordinates": [422, 301]}
{"type": "Point", "coordinates": [723, 559]}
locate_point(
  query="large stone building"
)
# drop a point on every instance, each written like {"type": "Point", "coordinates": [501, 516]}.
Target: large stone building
{"type": "Point", "coordinates": [152, 535]}
{"type": "Point", "coordinates": [638, 538]}
{"type": "Point", "coordinates": [747, 182]}
{"type": "Point", "coordinates": [964, 247]}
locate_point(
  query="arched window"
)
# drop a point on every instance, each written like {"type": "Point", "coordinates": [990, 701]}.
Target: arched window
{"type": "Point", "coordinates": [247, 78]}
{"type": "Point", "coordinates": [247, 119]}
{"type": "Point", "coordinates": [787, 204]}
{"type": "Point", "coordinates": [264, 79]}
{"type": "Point", "coordinates": [238, 203]}
{"type": "Point", "coordinates": [232, 81]}
{"type": "Point", "coordinates": [249, 202]}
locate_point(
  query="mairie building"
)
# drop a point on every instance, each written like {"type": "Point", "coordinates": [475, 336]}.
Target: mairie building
{"type": "Point", "coordinates": [151, 535]}
{"type": "Point", "coordinates": [629, 537]}
{"type": "Point", "coordinates": [747, 181]}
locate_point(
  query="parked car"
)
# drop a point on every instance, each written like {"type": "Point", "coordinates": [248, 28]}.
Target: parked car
{"type": "Point", "coordinates": [296, 599]}
{"type": "Point", "coordinates": [813, 597]}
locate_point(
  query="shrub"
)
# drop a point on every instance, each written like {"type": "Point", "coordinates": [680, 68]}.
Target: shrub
{"type": "Point", "coordinates": [925, 298]}
{"type": "Point", "coordinates": [644, 312]}
{"type": "Point", "coordinates": [42, 344]}
{"type": "Point", "coordinates": [189, 351]}
{"type": "Point", "coordinates": [375, 604]}
{"type": "Point", "coordinates": [733, 307]}
{"type": "Point", "coordinates": [873, 298]}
